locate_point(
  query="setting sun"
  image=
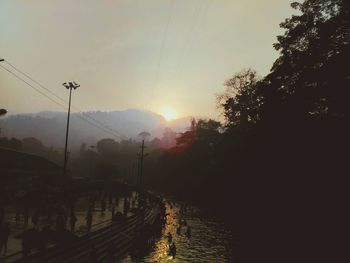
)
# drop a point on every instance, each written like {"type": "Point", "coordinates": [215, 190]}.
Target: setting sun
{"type": "Point", "coordinates": [168, 113]}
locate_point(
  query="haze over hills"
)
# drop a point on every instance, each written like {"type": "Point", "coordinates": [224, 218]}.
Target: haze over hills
{"type": "Point", "coordinates": [50, 127]}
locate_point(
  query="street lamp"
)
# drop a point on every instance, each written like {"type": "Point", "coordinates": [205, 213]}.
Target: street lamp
{"type": "Point", "coordinates": [3, 112]}
{"type": "Point", "coordinates": [70, 86]}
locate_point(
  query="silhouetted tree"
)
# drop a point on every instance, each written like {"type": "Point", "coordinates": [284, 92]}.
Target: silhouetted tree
{"type": "Point", "coordinates": [311, 76]}
{"type": "Point", "coordinates": [108, 147]}
{"type": "Point", "coordinates": [240, 102]}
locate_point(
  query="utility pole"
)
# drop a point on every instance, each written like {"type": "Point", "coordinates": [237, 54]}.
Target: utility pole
{"type": "Point", "coordinates": [132, 177]}
{"type": "Point", "coordinates": [140, 158]}
{"type": "Point", "coordinates": [138, 171]}
{"type": "Point", "coordinates": [70, 86]}
{"type": "Point", "coordinates": [2, 112]}
{"type": "Point", "coordinates": [141, 163]}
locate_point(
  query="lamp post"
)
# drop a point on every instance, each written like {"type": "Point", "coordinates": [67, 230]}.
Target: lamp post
{"type": "Point", "coordinates": [3, 112]}
{"type": "Point", "coordinates": [70, 86]}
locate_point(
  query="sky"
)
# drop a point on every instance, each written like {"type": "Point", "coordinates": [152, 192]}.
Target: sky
{"type": "Point", "coordinates": [168, 56]}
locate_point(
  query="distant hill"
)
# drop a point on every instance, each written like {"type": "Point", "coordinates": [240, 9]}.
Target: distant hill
{"type": "Point", "coordinates": [49, 127]}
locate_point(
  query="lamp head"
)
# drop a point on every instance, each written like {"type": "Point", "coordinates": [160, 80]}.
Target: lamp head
{"type": "Point", "coordinates": [65, 85]}
{"type": "Point", "coordinates": [71, 85]}
{"type": "Point", "coordinates": [76, 85]}
{"type": "Point", "coordinates": [3, 112]}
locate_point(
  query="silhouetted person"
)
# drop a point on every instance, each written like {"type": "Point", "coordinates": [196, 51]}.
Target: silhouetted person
{"type": "Point", "coordinates": [126, 207]}
{"type": "Point", "coordinates": [112, 210]}
{"type": "Point", "coordinates": [60, 222]}
{"type": "Point", "coordinates": [110, 199]}
{"type": "Point", "coordinates": [18, 216]}
{"type": "Point", "coordinates": [189, 232]}
{"type": "Point", "coordinates": [73, 220]}
{"type": "Point", "coordinates": [26, 216]}
{"type": "Point", "coordinates": [92, 201]}
{"type": "Point", "coordinates": [2, 215]}
{"type": "Point", "coordinates": [35, 219]}
{"type": "Point", "coordinates": [89, 219]}
{"type": "Point", "coordinates": [103, 206]}
{"type": "Point", "coordinates": [172, 250]}
{"type": "Point", "coordinates": [178, 230]}
{"type": "Point", "coordinates": [4, 235]}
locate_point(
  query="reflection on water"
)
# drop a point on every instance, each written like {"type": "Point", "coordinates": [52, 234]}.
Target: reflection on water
{"type": "Point", "coordinates": [209, 241]}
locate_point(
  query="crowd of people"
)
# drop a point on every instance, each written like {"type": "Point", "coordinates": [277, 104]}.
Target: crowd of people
{"type": "Point", "coordinates": [181, 225]}
{"type": "Point", "coordinates": [55, 221]}
{"type": "Point", "coordinates": [45, 217]}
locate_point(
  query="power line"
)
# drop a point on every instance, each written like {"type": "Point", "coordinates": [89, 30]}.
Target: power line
{"type": "Point", "coordinates": [61, 105]}
{"type": "Point", "coordinates": [196, 22]}
{"type": "Point", "coordinates": [199, 12]}
{"type": "Point", "coordinates": [63, 100]}
{"type": "Point", "coordinates": [36, 89]}
{"type": "Point", "coordinates": [36, 82]}
{"type": "Point", "coordinates": [161, 55]}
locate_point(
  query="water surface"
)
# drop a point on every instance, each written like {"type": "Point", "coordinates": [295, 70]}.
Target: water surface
{"type": "Point", "coordinates": [210, 241]}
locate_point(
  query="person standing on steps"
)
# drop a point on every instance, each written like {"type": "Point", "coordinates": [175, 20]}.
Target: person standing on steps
{"type": "Point", "coordinates": [4, 235]}
{"type": "Point", "coordinates": [172, 250]}
{"type": "Point", "coordinates": [73, 220]}
{"type": "Point", "coordinates": [178, 230]}
{"type": "Point", "coordinates": [89, 219]}
{"type": "Point", "coordinates": [189, 232]}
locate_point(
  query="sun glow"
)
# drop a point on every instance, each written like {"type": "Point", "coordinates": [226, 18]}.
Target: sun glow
{"type": "Point", "coordinates": [168, 113]}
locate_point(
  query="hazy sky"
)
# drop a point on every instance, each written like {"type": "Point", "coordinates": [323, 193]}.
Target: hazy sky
{"type": "Point", "coordinates": [146, 54]}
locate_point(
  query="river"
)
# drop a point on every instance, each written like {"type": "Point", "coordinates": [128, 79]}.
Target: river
{"type": "Point", "coordinates": [210, 240]}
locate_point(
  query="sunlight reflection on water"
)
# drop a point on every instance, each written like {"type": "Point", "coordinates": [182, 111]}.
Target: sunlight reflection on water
{"type": "Point", "coordinates": [210, 241]}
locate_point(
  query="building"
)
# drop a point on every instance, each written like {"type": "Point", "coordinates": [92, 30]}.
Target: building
{"type": "Point", "coordinates": [18, 168]}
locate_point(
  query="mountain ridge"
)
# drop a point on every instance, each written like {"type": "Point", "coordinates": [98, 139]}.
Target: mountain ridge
{"type": "Point", "coordinates": [49, 126]}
